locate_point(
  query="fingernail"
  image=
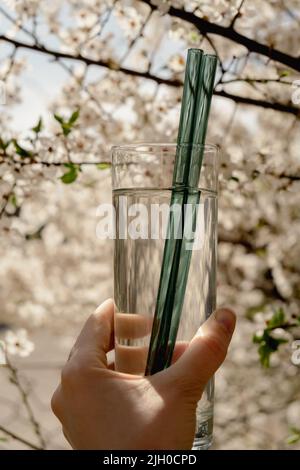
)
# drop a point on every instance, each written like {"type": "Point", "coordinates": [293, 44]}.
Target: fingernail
{"type": "Point", "coordinates": [227, 318]}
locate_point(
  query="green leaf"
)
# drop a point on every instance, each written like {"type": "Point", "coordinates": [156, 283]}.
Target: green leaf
{"type": "Point", "coordinates": [67, 125]}
{"type": "Point", "coordinates": [103, 166]}
{"type": "Point", "coordinates": [294, 437]}
{"type": "Point", "coordinates": [13, 200]}
{"type": "Point", "coordinates": [37, 234]}
{"type": "Point", "coordinates": [234, 178]}
{"type": "Point", "coordinates": [257, 338]}
{"type": "Point", "coordinates": [264, 354]}
{"type": "Point", "coordinates": [267, 345]}
{"type": "Point", "coordinates": [261, 223]}
{"type": "Point", "coordinates": [21, 150]}
{"type": "Point", "coordinates": [274, 343]}
{"type": "Point", "coordinates": [277, 320]}
{"type": "Point", "coordinates": [74, 117]}
{"type": "Point", "coordinates": [284, 73]}
{"type": "Point", "coordinates": [66, 128]}
{"type": "Point", "coordinates": [194, 36]}
{"type": "Point", "coordinates": [3, 144]}
{"type": "Point", "coordinates": [37, 129]}
{"type": "Point", "coordinates": [71, 165]}
{"type": "Point", "coordinates": [251, 311]}
{"type": "Point", "coordinates": [261, 252]}
{"type": "Point", "coordinates": [58, 118]}
{"type": "Point", "coordinates": [71, 175]}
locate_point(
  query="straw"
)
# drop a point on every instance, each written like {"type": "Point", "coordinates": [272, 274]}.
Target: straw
{"type": "Point", "coordinates": [198, 88]}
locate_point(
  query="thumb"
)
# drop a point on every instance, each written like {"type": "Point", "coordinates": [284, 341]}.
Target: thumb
{"type": "Point", "coordinates": [204, 355]}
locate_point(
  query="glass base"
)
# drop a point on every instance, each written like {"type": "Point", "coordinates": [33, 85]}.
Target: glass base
{"type": "Point", "coordinates": [204, 433]}
{"type": "Point", "coordinates": [203, 443]}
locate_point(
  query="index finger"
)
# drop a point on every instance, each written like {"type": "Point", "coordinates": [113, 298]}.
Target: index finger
{"type": "Point", "coordinates": [97, 333]}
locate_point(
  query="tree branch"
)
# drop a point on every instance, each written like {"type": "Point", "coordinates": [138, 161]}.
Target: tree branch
{"type": "Point", "coordinates": [14, 377]}
{"type": "Point", "coordinates": [205, 27]}
{"type": "Point", "coordinates": [19, 438]}
{"type": "Point", "coordinates": [134, 41]}
{"type": "Point", "coordinates": [174, 82]}
{"type": "Point", "coordinates": [284, 108]}
{"type": "Point", "coordinates": [109, 64]}
{"type": "Point", "coordinates": [238, 14]}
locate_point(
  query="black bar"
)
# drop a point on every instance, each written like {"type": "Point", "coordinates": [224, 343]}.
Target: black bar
{"type": "Point", "coordinates": [145, 459]}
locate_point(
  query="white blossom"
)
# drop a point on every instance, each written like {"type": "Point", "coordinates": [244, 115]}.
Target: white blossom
{"type": "Point", "coordinates": [176, 63]}
{"type": "Point", "coordinates": [17, 343]}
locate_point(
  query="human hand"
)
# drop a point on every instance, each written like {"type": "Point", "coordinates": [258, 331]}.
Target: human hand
{"type": "Point", "coordinates": [100, 408]}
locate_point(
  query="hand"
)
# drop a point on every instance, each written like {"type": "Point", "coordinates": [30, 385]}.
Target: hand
{"type": "Point", "coordinates": [100, 408]}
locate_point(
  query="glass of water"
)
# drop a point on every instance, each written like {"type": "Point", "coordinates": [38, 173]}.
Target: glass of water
{"type": "Point", "coordinates": [142, 186]}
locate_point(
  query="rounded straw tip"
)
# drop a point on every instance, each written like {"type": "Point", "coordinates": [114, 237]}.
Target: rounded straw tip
{"type": "Point", "coordinates": [194, 50]}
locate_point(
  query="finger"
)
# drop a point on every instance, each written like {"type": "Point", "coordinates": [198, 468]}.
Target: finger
{"type": "Point", "coordinates": [180, 348]}
{"type": "Point", "coordinates": [67, 436]}
{"type": "Point", "coordinates": [204, 355]}
{"type": "Point", "coordinates": [97, 335]}
{"type": "Point", "coordinates": [56, 402]}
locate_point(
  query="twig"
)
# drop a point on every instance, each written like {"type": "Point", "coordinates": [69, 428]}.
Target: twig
{"type": "Point", "coordinates": [133, 42]}
{"type": "Point", "coordinates": [284, 108]}
{"type": "Point", "coordinates": [85, 88]}
{"type": "Point", "coordinates": [58, 164]}
{"type": "Point", "coordinates": [226, 132]}
{"type": "Point", "coordinates": [16, 381]}
{"type": "Point", "coordinates": [292, 14]}
{"type": "Point", "coordinates": [13, 20]}
{"type": "Point", "coordinates": [6, 198]}
{"type": "Point", "coordinates": [11, 63]}
{"type": "Point", "coordinates": [19, 438]}
{"type": "Point", "coordinates": [237, 15]}
{"type": "Point", "coordinates": [102, 24]}
{"type": "Point", "coordinates": [283, 326]}
{"type": "Point", "coordinates": [212, 45]}
{"type": "Point", "coordinates": [256, 80]}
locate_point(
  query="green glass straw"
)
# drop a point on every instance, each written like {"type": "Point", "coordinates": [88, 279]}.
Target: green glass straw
{"type": "Point", "coordinates": [197, 94]}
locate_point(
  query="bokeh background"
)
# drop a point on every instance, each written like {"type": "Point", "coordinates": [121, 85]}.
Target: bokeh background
{"type": "Point", "coordinates": [75, 78]}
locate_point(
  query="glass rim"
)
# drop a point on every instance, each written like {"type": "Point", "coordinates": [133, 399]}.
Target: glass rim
{"type": "Point", "coordinates": [138, 146]}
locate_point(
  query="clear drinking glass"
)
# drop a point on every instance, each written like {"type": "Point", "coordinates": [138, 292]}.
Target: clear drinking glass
{"type": "Point", "coordinates": [142, 186]}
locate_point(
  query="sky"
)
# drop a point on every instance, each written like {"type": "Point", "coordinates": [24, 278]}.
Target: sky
{"type": "Point", "coordinates": [43, 79]}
